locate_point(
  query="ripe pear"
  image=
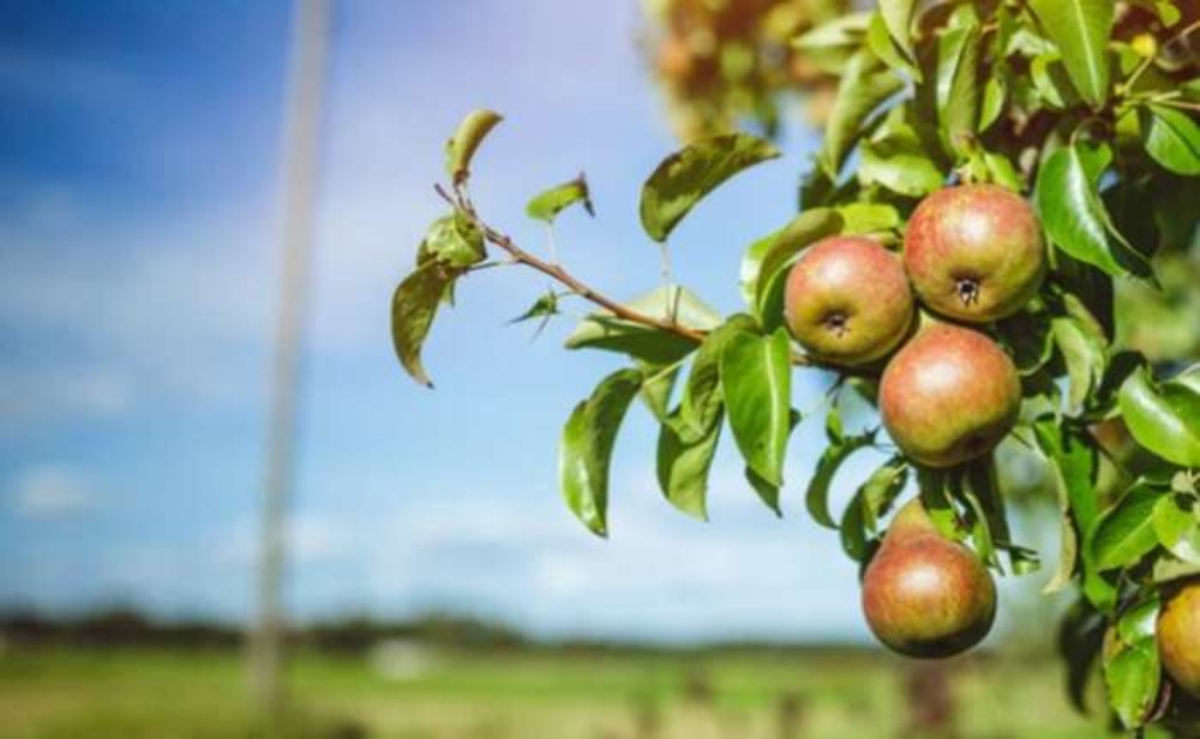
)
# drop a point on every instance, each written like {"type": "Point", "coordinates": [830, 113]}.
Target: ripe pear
{"type": "Point", "coordinates": [847, 301]}
{"type": "Point", "coordinates": [975, 252]}
{"type": "Point", "coordinates": [949, 395]}
{"type": "Point", "coordinates": [1179, 637]}
{"type": "Point", "coordinates": [924, 595]}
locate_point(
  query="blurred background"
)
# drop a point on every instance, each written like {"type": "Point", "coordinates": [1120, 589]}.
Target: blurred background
{"type": "Point", "coordinates": [435, 585]}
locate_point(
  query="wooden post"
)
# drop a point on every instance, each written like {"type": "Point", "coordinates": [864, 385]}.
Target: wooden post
{"type": "Point", "coordinates": [306, 82]}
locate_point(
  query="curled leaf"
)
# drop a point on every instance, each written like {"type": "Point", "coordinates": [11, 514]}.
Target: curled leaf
{"type": "Point", "coordinates": [547, 205]}
{"type": "Point", "coordinates": [461, 147]}
{"type": "Point", "coordinates": [414, 305]}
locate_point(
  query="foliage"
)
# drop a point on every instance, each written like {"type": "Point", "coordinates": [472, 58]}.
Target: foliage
{"type": "Point", "coordinates": [1088, 107]}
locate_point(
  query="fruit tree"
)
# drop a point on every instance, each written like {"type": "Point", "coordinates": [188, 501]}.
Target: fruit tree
{"type": "Point", "coordinates": [1002, 189]}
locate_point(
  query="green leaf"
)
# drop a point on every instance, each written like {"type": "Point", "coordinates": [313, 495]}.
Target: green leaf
{"type": "Point", "coordinates": [835, 430]}
{"type": "Point", "coordinates": [545, 308]}
{"type": "Point", "coordinates": [767, 492]}
{"type": "Point", "coordinates": [1164, 420]}
{"type": "Point", "coordinates": [684, 461]}
{"type": "Point", "coordinates": [1131, 665]}
{"type": "Point", "coordinates": [1052, 81]}
{"type": "Point", "coordinates": [603, 330]}
{"type": "Point", "coordinates": [895, 158]}
{"type": "Point", "coordinates": [1084, 354]}
{"type": "Point", "coordinates": [992, 105]}
{"type": "Point", "coordinates": [1172, 137]}
{"type": "Point", "coordinates": [1139, 621]}
{"type": "Point", "coordinates": [414, 306]}
{"type": "Point", "coordinates": [751, 264]}
{"type": "Point", "coordinates": [460, 149]}
{"type": "Point", "coordinates": [865, 85]}
{"type": "Point", "coordinates": [897, 16]}
{"type": "Point", "coordinates": [1133, 676]}
{"type": "Point", "coordinates": [1073, 214]}
{"type": "Point", "coordinates": [547, 205]}
{"type": "Point", "coordinates": [586, 447]}
{"type": "Point", "coordinates": [1072, 461]}
{"type": "Point", "coordinates": [806, 228]}
{"type": "Point", "coordinates": [869, 218]}
{"type": "Point", "coordinates": [1177, 524]}
{"type": "Point", "coordinates": [756, 377]}
{"type": "Point", "coordinates": [1168, 569]}
{"type": "Point", "coordinates": [852, 529]}
{"type": "Point", "coordinates": [958, 86]}
{"type": "Point", "coordinates": [932, 485]}
{"type": "Point", "coordinates": [1068, 553]}
{"type": "Point", "coordinates": [656, 390]}
{"type": "Point", "coordinates": [454, 240]}
{"type": "Point", "coordinates": [701, 404]}
{"type": "Point", "coordinates": [1125, 533]}
{"type": "Point", "coordinates": [882, 488]}
{"type": "Point", "coordinates": [816, 498]}
{"type": "Point", "coordinates": [686, 176]}
{"type": "Point", "coordinates": [1080, 29]}
{"type": "Point", "coordinates": [880, 42]}
{"type": "Point", "coordinates": [842, 32]}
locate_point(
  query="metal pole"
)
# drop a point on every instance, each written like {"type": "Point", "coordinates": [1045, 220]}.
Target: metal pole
{"type": "Point", "coordinates": [306, 81]}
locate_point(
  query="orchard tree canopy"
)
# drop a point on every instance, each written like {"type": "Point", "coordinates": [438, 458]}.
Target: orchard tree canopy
{"type": "Point", "coordinates": [1002, 189]}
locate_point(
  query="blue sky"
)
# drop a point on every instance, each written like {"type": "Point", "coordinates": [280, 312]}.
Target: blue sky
{"type": "Point", "coordinates": [139, 152]}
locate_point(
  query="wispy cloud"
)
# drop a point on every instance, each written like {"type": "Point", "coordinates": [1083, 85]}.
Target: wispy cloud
{"type": "Point", "coordinates": [50, 492]}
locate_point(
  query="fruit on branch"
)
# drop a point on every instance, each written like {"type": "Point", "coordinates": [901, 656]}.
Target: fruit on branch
{"type": "Point", "coordinates": [1179, 637]}
{"type": "Point", "coordinates": [949, 395]}
{"type": "Point", "coordinates": [847, 301]}
{"type": "Point", "coordinates": [924, 595]}
{"type": "Point", "coordinates": [975, 252]}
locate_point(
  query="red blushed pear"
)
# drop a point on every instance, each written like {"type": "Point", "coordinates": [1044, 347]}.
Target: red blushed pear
{"type": "Point", "coordinates": [925, 595]}
{"type": "Point", "coordinates": [1179, 637]}
{"type": "Point", "coordinates": [848, 301]}
{"type": "Point", "coordinates": [949, 395]}
{"type": "Point", "coordinates": [975, 252]}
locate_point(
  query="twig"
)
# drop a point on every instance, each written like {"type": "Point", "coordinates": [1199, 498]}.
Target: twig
{"type": "Point", "coordinates": [462, 202]}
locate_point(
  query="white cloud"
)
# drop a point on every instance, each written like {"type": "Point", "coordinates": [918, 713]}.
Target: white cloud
{"type": "Point", "coordinates": [50, 492]}
{"type": "Point", "coordinates": [32, 394]}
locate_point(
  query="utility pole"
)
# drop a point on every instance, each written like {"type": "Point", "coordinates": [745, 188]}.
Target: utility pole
{"type": "Point", "coordinates": [306, 82]}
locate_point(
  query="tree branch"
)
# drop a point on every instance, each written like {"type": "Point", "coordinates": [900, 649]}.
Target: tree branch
{"type": "Point", "coordinates": [462, 202]}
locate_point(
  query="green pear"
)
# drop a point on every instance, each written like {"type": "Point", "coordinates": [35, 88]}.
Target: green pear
{"type": "Point", "coordinates": [924, 595]}
{"type": "Point", "coordinates": [847, 301]}
{"type": "Point", "coordinates": [949, 395]}
{"type": "Point", "coordinates": [975, 252]}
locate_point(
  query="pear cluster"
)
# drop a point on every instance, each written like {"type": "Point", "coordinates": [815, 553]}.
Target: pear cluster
{"type": "Point", "coordinates": [972, 254]}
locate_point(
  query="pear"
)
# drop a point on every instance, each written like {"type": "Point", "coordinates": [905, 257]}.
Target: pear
{"type": "Point", "coordinates": [975, 252]}
{"type": "Point", "coordinates": [847, 301]}
{"type": "Point", "coordinates": [925, 595]}
{"type": "Point", "coordinates": [1179, 637]}
{"type": "Point", "coordinates": [949, 395]}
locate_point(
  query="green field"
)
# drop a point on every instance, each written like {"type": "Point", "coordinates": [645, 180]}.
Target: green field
{"type": "Point", "coordinates": [161, 693]}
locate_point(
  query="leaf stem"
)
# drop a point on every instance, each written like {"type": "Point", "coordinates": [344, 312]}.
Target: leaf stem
{"type": "Point", "coordinates": [1180, 104]}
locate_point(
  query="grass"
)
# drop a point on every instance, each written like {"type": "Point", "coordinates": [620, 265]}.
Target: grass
{"type": "Point", "coordinates": [201, 694]}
